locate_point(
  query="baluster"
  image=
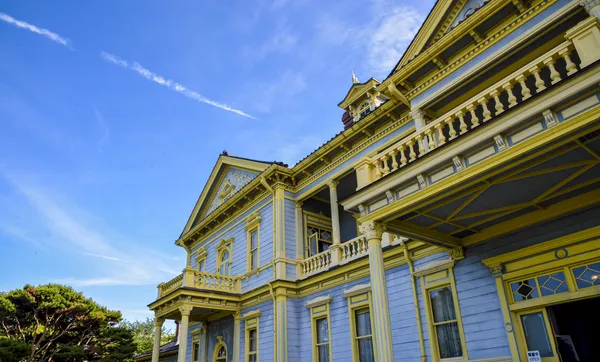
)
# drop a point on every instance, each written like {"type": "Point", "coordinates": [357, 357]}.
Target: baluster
{"type": "Point", "coordinates": [440, 132]}
{"type": "Point", "coordinates": [539, 82]}
{"type": "Point", "coordinates": [512, 100]}
{"type": "Point", "coordinates": [412, 155]}
{"type": "Point", "coordinates": [420, 143]}
{"type": "Point", "coordinates": [461, 117]}
{"type": "Point", "coordinates": [394, 161]}
{"type": "Point", "coordinates": [386, 168]}
{"type": "Point", "coordinates": [486, 112]}
{"type": "Point", "coordinates": [377, 169]}
{"type": "Point", "coordinates": [450, 123]}
{"type": "Point", "coordinates": [554, 75]}
{"type": "Point", "coordinates": [474, 119]}
{"type": "Point", "coordinates": [525, 92]}
{"type": "Point", "coordinates": [571, 67]}
{"type": "Point", "coordinates": [431, 141]}
{"type": "Point", "coordinates": [498, 105]}
{"type": "Point", "coordinates": [403, 159]}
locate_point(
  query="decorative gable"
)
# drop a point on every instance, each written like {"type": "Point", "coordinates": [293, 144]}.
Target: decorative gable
{"type": "Point", "coordinates": [229, 175]}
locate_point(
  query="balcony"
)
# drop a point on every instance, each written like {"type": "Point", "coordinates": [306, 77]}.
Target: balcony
{"type": "Point", "coordinates": [191, 278]}
{"type": "Point", "coordinates": [533, 78]}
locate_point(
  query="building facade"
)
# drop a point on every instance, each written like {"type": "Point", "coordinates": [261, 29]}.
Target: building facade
{"type": "Point", "coordinates": [456, 217]}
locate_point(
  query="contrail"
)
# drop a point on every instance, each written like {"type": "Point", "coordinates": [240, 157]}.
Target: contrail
{"type": "Point", "coordinates": [44, 32]}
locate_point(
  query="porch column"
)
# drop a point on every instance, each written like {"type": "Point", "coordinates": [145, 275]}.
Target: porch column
{"type": "Point", "coordinates": [183, 331]}
{"type": "Point", "coordinates": [299, 237]}
{"type": "Point", "coordinates": [592, 7]}
{"type": "Point", "coordinates": [236, 337]}
{"type": "Point", "coordinates": [158, 323]}
{"type": "Point", "coordinates": [381, 310]}
{"type": "Point", "coordinates": [335, 223]}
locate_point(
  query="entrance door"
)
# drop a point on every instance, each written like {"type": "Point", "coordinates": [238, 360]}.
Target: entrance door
{"type": "Point", "coordinates": [537, 333]}
{"type": "Point", "coordinates": [576, 326]}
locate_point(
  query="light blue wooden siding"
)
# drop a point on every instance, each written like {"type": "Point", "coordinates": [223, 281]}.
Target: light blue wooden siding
{"type": "Point", "coordinates": [294, 314]}
{"type": "Point", "coordinates": [265, 330]}
{"type": "Point", "coordinates": [224, 328]}
{"type": "Point", "coordinates": [170, 359]}
{"type": "Point", "coordinates": [240, 245]}
{"type": "Point", "coordinates": [339, 323]}
{"type": "Point", "coordinates": [188, 352]}
{"type": "Point", "coordinates": [491, 52]}
{"type": "Point", "coordinates": [356, 157]}
{"type": "Point", "coordinates": [403, 319]}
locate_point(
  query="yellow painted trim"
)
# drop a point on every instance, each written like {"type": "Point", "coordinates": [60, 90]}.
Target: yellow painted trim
{"type": "Point", "coordinates": [364, 303]}
{"type": "Point", "coordinates": [521, 336]}
{"type": "Point", "coordinates": [252, 225]}
{"type": "Point", "coordinates": [226, 245]}
{"type": "Point", "coordinates": [218, 346]}
{"type": "Point", "coordinates": [316, 313]}
{"type": "Point", "coordinates": [433, 343]}
{"type": "Point", "coordinates": [250, 323]}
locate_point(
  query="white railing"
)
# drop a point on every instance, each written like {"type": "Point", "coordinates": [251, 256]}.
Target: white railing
{"type": "Point", "coordinates": [316, 263]}
{"type": "Point", "coordinates": [200, 280]}
{"type": "Point", "coordinates": [354, 249]}
{"type": "Point", "coordinates": [503, 95]}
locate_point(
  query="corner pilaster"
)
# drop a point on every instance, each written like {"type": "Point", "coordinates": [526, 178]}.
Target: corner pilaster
{"type": "Point", "coordinates": [184, 326]}
{"type": "Point", "coordinates": [281, 336]}
{"type": "Point", "coordinates": [279, 244]}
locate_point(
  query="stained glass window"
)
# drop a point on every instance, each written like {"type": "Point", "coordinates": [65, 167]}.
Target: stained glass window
{"type": "Point", "coordinates": [587, 275]}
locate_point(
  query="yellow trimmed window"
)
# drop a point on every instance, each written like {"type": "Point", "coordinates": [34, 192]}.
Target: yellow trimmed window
{"type": "Point", "coordinates": [224, 250]}
{"type": "Point", "coordinates": [321, 331]}
{"type": "Point", "coordinates": [318, 233]}
{"type": "Point", "coordinates": [444, 322]}
{"type": "Point", "coordinates": [253, 237]}
{"type": "Point", "coordinates": [251, 336]}
{"type": "Point", "coordinates": [196, 347]}
{"type": "Point", "coordinates": [361, 324]}
{"type": "Point", "coordinates": [201, 260]}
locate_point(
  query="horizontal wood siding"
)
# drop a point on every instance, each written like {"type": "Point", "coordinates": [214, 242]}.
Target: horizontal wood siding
{"type": "Point", "coordinates": [265, 332]}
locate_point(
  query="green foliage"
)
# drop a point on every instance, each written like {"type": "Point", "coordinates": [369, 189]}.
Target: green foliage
{"type": "Point", "coordinates": [13, 351]}
{"type": "Point", "coordinates": [57, 323]}
{"type": "Point", "coordinates": [143, 332]}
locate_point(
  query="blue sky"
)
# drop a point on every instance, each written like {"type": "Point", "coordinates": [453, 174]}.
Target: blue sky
{"type": "Point", "coordinates": [112, 114]}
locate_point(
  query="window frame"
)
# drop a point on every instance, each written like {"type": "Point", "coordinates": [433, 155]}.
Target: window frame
{"type": "Point", "coordinates": [359, 297]}
{"type": "Point", "coordinates": [201, 259]}
{"type": "Point", "coordinates": [320, 309]}
{"type": "Point", "coordinates": [196, 338]}
{"type": "Point", "coordinates": [226, 245]}
{"type": "Point", "coordinates": [434, 279]}
{"type": "Point", "coordinates": [317, 221]}
{"type": "Point", "coordinates": [218, 347]}
{"type": "Point", "coordinates": [251, 322]}
{"type": "Point", "coordinates": [252, 224]}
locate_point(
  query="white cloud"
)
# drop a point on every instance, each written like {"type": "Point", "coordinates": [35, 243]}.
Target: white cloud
{"type": "Point", "coordinates": [44, 32]}
{"type": "Point", "coordinates": [381, 40]}
{"type": "Point", "coordinates": [114, 259]}
{"type": "Point", "coordinates": [281, 42]}
{"type": "Point", "coordinates": [174, 86]}
{"type": "Point", "coordinates": [269, 93]}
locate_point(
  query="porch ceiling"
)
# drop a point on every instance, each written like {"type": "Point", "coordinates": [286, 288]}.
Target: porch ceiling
{"type": "Point", "coordinates": [563, 178]}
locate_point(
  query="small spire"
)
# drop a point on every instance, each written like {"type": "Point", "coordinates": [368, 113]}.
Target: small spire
{"type": "Point", "coordinates": [354, 79]}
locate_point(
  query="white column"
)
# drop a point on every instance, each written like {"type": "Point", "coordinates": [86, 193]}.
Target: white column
{"type": "Point", "coordinates": [158, 323]}
{"type": "Point", "coordinates": [236, 337]}
{"type": "Point", "coordinates": [381, 310]}
{"type": "Point", "coordinates": [335, 214]}
{"type": "Point", "coordinates": [184, 325]}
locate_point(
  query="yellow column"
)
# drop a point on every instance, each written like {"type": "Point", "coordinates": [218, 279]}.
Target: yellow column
{"type": "Point", "coordinates": [183, 331]}
{"type": "Point", "coordinates": [281, 345]}
{"type": "Point", "coordinates": [158, 323]}
{"type": "Point", "coordinates": [335, 223]}
{"type": "Point", "coordinates": [279, 207]}
{"type": "Point", "coordinates": [508, 322]}
{"type": "Point", "coordinates": [299, 237]}
{"type": "Point", "coordinates": [236, 337]}
{"type": "Point", "coordinates": [381, 310]}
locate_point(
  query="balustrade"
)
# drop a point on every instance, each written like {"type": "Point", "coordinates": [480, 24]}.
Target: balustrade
{"type": "Point", "coordinates": [316, 263]}
{"type": "Point", "coordinates": [194, 279]}
{"type": "Point", "coordinates": [531, 79]}
{"type": "Point", "coordinates": [354, 249]}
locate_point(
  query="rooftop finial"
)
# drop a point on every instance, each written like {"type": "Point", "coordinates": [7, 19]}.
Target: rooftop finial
{"type": "Point", "coordinates": [354, 79]}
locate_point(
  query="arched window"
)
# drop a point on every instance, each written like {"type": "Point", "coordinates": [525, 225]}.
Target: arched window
{"type": "Point", "coordinates": [364, 109]}
{"type": "Point", "coordinates": [225, 263]}
{"type": "Point", "coordinates": [220, 351]}
{"type": "Point", "coordinates": [224, 250]}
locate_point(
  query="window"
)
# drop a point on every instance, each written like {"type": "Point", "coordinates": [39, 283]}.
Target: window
{"type": "Point", "coordinates": [220, 354]}
{"type": "Point", "coordinates": [444, 324]}
{"type": "Point", "coordinates": [196, 336]}
{"type": "Point", "coordinates": [201, 259]}
{"type": "Point", "coordinates": [544, 285]}
{"type": "Point", "coordinates": [224, 257]}
{"type": "Point", "coordinates": [251, 340]}
{"type": "Point", "coordinates": [318, 233]}
{"type": "Point", "coordinates": [587, 275]}
{"type": "Point", "coordinates": [364, 335]}
{"type": "Point", "coordinates": [361, 326]}
{"type": "Point", "coordinates": [253, 237]}
{"type": "Point", "coordinates": [321, 333]}
{"type": "Point", "coordinates": [364, 109]}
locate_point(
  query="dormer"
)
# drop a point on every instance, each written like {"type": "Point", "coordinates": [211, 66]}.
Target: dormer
{"type": "Point", "coordinates": [361, 99]}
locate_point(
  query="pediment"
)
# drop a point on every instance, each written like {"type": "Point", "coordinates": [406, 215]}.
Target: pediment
{"type": "Point", "coordinates": [445, 15]}
{"type": "Point", "coordinates": [357, 90]}
{"type": "Point", "coordinates": [229, 175]}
